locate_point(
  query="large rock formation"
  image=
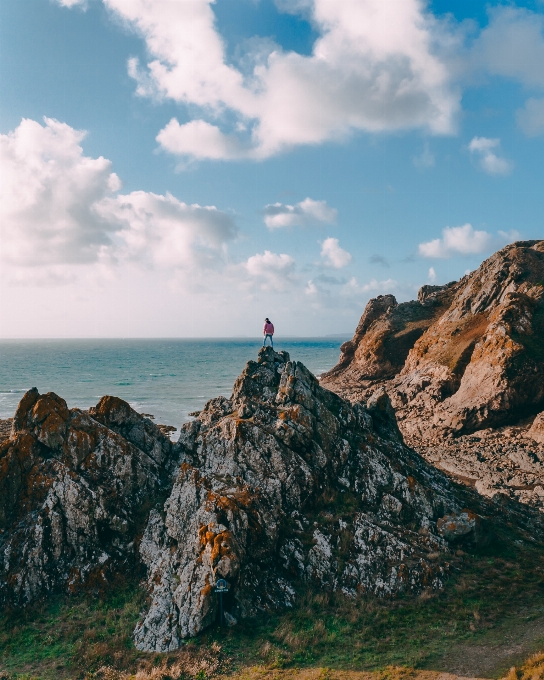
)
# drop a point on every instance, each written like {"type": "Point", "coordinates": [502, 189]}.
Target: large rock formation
{"type": "Point", "coordinates": [465, 356]}
{"type": "Point", "coordinates": [478, 362]}
{"type": "Point", "coordinates": [75, 493]}
{"type": "Point", "coordinates": [287, 484]}
{"type": "Point", "coordinates": [283, 486]}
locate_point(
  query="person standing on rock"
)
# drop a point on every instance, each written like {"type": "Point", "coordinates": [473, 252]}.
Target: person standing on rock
{"type": "Point", "coordinates": [268, 331]}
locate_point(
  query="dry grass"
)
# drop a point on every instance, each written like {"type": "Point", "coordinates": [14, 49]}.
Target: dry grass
{"type": "Point", "coordinates": [532, 669]}
{"type": "Point", "coordinates": [191, 663]}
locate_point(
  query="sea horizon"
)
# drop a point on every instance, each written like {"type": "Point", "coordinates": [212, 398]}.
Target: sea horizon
{"type": "Point", "coordinates": [167, 378]}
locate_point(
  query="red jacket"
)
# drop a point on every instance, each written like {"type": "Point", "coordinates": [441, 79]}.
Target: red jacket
{"type": "Point", "coordinates": [268, 329]}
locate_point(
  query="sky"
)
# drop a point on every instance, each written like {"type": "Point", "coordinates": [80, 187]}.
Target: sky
{"type": "Point", "coordinates": [184, 168]}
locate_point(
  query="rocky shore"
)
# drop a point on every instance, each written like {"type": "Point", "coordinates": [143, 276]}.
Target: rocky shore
{"type": "Point", "coordinates": [282, 487]}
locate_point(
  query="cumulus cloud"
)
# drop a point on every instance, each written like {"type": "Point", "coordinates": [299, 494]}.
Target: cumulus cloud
{"type": "Point", "coordinates": [200, 139]}
{"type": "Point", "coordinates": [464, 240]}
{"type": "Point", "coordinates": [48, 196]}
{"type": "Point", "coordinates": [165, 232]}
{"type": "Point", "coordinates": [306, 213]}
{"type": "Point", "coordinates": [274, 272]}
{"type": "Point", "coordinates": [60, 207]}
{"type": "Point", "coordinates": [483, 148]}
{"type": "Point", "coordinates": [432, 275]}
{"type": "Point", "coordinates": [375, 67]}
{"type": "Point", "coordinates": [333, 255]}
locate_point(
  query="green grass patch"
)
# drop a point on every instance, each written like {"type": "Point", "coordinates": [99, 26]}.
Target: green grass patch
{"type": "Point", "coordinates": [68, 636]}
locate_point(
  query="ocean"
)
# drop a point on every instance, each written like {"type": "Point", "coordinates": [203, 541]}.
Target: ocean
{"type": "Point", "coordinates": [167, 378]}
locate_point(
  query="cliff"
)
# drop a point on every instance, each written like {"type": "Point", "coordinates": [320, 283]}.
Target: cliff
{"type": "Point", "coordinates": [465, 358]}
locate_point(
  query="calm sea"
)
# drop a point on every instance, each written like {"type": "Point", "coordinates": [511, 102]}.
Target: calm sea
{"type": "Point", "coordinates": [165, 378]}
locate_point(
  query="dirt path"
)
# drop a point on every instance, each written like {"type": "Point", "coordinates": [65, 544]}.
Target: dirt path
{"type": "Point", "coordinates": [493, 659]}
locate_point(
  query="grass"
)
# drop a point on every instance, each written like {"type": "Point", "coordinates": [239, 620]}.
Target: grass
{"type": "Point", "coordinates": [498, 595]}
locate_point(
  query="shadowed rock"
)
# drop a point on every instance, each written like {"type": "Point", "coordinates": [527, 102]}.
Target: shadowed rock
{"type": "Point", "coordinates": [75, 494]}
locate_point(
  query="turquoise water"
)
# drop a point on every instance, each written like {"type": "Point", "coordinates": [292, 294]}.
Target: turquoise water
{"type": "Point", "coordinates": [166, 378]}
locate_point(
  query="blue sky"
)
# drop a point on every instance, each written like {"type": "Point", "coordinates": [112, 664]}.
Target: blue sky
{"type": "Point", "coordinates": [185, 168]}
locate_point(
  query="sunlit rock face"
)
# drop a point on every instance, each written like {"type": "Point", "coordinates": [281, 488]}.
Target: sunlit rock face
{"type": "Point", "coordinates": [75, 493]}
{"type": "Point", "coordinates": [286, 485]}
{"type": "Point", "coordinates": [463, 357]}
{"type": "Point", "coordinates": [464, 368]}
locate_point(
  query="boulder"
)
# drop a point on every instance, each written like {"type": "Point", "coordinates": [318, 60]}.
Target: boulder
{"type": "Point", "coordinates": [536, 430]}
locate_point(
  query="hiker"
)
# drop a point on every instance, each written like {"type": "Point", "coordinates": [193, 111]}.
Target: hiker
{"type": "Point", "coordinates": [268, 331]}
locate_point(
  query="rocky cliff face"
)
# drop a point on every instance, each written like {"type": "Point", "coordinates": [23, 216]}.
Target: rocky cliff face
{"type": "Point", "coordinates": [478, 363]}
{"type": "Point", "coordinates": [286, 484]}
{"type": "Point", "coordinates": [75, 493]}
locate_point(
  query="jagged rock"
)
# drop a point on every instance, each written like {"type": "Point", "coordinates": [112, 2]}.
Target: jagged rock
{"type": "Point", "coordinates": [75, 492]}
{"type": "Point", "coordinates": [479, 361]}
{"type": "Point", "coordinates": [386, 333]}
{"type": "Point", "coordinates": [478, 365]}
{"type": "Point", "coordinates": [284, 484]}
{"type": "Point", "coordinates": [536, 431]}
{"type": "Point", "coordinates": [455, 527]}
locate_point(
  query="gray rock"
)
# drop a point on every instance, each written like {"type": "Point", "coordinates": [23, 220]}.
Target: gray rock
{"type": "Point", "coordinates": [283, 484]}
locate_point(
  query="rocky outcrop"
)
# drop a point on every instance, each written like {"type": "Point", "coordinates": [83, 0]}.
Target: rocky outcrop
{"type": "Point", "coordinates": [387, 332]}
{"type": "Point", "coordinates": [75, 493]}
{"type": "Point", "coordinates": [286, 484]}
{"type": "Point", "coordinates": [478, 365]}
{"type": "Point", "coordinates": [479, 358]}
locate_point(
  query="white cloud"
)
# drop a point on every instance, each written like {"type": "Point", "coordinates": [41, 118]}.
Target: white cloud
{"type": "Point", "coordinates": [374, 67]}
{"type": "Point", "coordinates": [432, 275]}
{"type": "Point", "coordinates": [531, 117]}
{"type": "Point", "coordinates": [199, 139]}
{"type": "Point", "coordinates": [72, 3]}
{"type": "Point", "coordinates": [165, 232]}
{"type": "Point", "coordinates": [61, 208]}
{"type": "Point", "coordinates": [483, 148]}
{"type": "Point", "coordinates": [425, 159]}
{"type": "Point", "coordinates": [333, 255]}
{"type": "Point", "coordinates": [464, 241]}
{"type": "Point", "coordinates": [48, 195]}
{"type": "Point", "coordinates": [374, 286]}
{"type": "Point", "coordinates": [307, 212]}
{"type": "Point", "coordinates": [272, 271]}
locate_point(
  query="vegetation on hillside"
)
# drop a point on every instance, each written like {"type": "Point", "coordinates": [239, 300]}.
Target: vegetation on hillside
{"type": "Point", "coordinates": [494, 603]}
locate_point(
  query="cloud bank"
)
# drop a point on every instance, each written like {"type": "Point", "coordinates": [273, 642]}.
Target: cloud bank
{"type": "Point", "coordinates": [484, 149]}
{"type": "Point", "coordinates": [60, 207]}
